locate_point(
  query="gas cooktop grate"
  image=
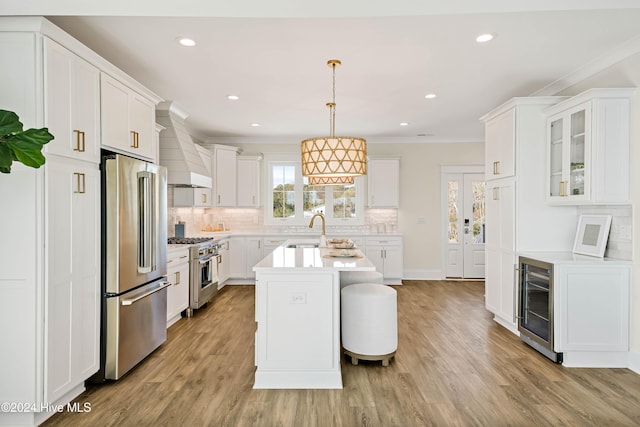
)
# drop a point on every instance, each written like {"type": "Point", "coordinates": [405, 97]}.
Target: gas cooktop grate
{"type": "Point", "coordinates": [187, 240]}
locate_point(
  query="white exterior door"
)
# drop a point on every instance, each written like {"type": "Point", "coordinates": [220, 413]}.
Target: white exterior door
{"type": "Point", "coordinates": [465, 214]}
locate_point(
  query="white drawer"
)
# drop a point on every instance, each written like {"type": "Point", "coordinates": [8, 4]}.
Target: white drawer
{"type": "Point", "coordinates": [384, 241]}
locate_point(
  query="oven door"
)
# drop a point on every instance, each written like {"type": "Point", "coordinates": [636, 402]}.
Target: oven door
{"type": "Point", "coordinates": [205, 280]}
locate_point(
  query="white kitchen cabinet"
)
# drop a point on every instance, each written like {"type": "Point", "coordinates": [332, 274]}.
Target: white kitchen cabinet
{"type": "Point", "coordinates": [237, 257]}
{"type": "Point", "coordinates": [178, 292]}
{"type": "Point", "coordinates": [518, 216]}
{"type": "Point", "coordinates": [244, 253]}
{"type": "Point", "coordinates": [269, 243]}
{"type": "Point", "coordinates": [50, 297]}
{"type": "Point", "coordinates": [588, 148]}
{"type": "Point", "coordinates": [298, 331]}
{"type": "Point", "coordinates": [224, 263]}
{"type": "Point", "coordinates": [196, 197]}
{"type": "Point", "coordinates": [248, 183]}
{"type": "Point", "coordinates": [592, 307]}
{"type": "Point", "coordinates": [500, 154]}
{"type": "Point", "coordinates": [72, 327]}
{"type": "Point", "coordinates": [254, 255]}
{"type": "Point", "coordinates": [383, 182]}
{"type": "Point", "coordinates": [128, 119]}
{"type": "Point", "coordinates": [500, 256]}
{"type": "Point", "coordinates": [224, 175]}
{"type": "Point", "coordinates": [72, 96]}
{"type": "Point", "coordinates": [386, 254]}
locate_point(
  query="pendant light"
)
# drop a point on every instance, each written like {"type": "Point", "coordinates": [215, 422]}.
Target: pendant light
{"type": "Point", "coordinates": [329, 160]}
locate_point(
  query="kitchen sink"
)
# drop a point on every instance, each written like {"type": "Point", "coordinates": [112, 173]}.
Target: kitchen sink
{"type": "Point", "coordinates": [303, 245]}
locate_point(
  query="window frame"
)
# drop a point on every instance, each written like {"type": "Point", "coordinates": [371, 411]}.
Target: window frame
{"type": "Point", "coordinates": [291, 159]}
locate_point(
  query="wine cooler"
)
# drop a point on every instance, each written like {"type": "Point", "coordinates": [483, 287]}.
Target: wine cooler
{"type": "Point", "coordinates": [535, 307]}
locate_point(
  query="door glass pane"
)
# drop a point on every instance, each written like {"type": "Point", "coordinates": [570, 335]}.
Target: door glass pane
{"type": "Point", "coordinates": [576, 180]}
{"type": "Point", "coordinates": [555, 157]}
{"type": "Point", "coordinates": [452, 228]}
{"type": "Point", "coordinates": [344, 201]}
{"type": "Point", "coordinates": [477, 227]}
{"type": "Point", "coordinates": [313, 199]}
{"type": "Point", "coordinates": [284, 205]}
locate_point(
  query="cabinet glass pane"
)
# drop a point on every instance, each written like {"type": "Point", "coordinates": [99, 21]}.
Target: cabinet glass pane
{"type": "Point", "coordinates": [555, 157]}
{"type": "Point", "coordinates": [452, 228]}
{"type": "Point", "coordinates": [576, 180]}
{"type": "Point", "coordinates": [283, 191]}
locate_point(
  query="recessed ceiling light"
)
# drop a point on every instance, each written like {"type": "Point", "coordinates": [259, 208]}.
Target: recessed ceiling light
{"type": "Point", "coordinates": [430, 95]}
{"type": "Point", "coordinates": [483, 38]}
{"type": "Point", "coordinates": [255, 125]}
{"type": "Point", "coordinates": [233, 97]}
{"type": "Point", "coordinates": [185, 41]}
{"type": "Point", "coordinates": [404, 124]}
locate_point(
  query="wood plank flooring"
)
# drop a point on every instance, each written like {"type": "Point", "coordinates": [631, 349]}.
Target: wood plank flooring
{"type": "Point", "coordinates": [454, 366]}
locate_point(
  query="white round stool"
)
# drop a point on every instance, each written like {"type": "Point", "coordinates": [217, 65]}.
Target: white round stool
{"type": "Point", "coordinates": [369, 322]}
{"type": "Point", "coordinates": [352, 277]}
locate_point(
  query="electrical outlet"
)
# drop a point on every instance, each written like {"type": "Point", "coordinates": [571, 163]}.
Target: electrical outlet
{"type": "Point", "coordinates": [298, 297]}
{"type": "Point", "coordinates": [421, 220]}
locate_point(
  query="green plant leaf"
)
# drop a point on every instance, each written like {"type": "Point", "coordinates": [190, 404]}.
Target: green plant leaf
{"type": "Point", "coordinates": [27, 146]}
{"type": "Point", "coordinates": [6, 158]}
{"type": "Point", "coordinates": [9, 123]}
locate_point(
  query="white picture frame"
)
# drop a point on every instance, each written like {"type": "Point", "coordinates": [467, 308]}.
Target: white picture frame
{"type": "Point", "coordinates": [592, 235]}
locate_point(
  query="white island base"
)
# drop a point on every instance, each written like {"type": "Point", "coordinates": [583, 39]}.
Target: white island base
{"type": "Point", "coordinates": [297, 343]}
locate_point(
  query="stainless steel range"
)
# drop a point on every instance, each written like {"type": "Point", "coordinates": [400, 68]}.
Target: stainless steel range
{"type": "Point", "coordinates": [203, 269]}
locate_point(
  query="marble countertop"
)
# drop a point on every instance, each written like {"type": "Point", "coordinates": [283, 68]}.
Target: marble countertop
{"type": "Point", "coordinates": [285, 258]}
{"type": "Point", "coordinates": [571, 258]}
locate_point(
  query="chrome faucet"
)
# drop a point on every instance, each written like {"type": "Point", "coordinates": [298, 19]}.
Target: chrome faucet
{"type": "Point", "coordinates": [323, 238]}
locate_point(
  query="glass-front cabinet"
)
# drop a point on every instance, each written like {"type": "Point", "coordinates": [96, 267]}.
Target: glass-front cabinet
{"type": "Point", "coordinates": [588, 148]}
{"type": "Point", "coordinates": [569, 147]}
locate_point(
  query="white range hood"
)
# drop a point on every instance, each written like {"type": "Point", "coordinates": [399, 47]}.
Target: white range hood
{"type": "Point", "coordinates": [178, 152]}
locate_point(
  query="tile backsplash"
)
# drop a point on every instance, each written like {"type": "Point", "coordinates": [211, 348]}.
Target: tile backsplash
{"type": "Point", "coordinates": [252, 220]}
{"type": "Point", "coordinates": [620, 240]}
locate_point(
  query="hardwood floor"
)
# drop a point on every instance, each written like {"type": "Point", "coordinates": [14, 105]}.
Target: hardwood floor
{"type": "Point", "coordinates": [454, 366]}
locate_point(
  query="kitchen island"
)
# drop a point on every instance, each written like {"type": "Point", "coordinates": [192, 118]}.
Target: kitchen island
{"type": "Point", "coordinates": [297, 343]}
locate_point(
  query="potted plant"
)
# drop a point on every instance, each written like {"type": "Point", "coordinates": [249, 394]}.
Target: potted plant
{"type": "Point", "coordinates": [23, 146]}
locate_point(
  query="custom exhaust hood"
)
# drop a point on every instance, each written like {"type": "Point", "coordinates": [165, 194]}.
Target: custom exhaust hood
{"type": "Point", "coordinates": [178, 153]}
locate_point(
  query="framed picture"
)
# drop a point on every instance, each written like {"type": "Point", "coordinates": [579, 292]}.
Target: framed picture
{"type": "Point", "coordinates": [592, 235]}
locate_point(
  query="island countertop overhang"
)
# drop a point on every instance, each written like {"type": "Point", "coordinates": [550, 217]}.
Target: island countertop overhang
{"type": "Point", "coordinates": [287, 258]}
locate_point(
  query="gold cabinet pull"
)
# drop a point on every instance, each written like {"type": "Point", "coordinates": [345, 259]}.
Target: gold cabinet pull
{"type": "Point", "coordinates": [204, 198]}
{"type": "Point", "coordinates": [80, 183]}
{"type": "Point", "coordinates": [79, 141]}
{"type": "Point", "coordinates": [177, 278]}
{"type": "Point", "coordinates": [496, 193]}
{"type": "Point", "coordinates": [218, 199]}
{"type": "Point", "coordinates": [563, 188]}
{"type": "Point", "coordinates": [135, 139]}
{"type": "Point", "coordinates": [496, 168]}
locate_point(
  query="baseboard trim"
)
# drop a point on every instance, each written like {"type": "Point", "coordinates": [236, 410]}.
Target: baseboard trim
{"type": "Point", "coordinates": [634, 361]}
{"type": "Point", "coordinates": [422, 274]}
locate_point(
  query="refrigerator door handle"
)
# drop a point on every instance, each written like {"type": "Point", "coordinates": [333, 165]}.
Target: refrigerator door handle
{"type": "Point", "coordinates": [146, 224]}
{"type": "Point", "coordinates": [146, 294]}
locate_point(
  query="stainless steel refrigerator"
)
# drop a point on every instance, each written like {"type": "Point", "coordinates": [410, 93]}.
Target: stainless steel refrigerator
{"type": "Point", "coordinates": [134, 253]}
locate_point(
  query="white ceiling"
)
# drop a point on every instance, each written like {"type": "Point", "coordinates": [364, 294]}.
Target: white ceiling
{"type": "Point", "coordinates": [275, 59]}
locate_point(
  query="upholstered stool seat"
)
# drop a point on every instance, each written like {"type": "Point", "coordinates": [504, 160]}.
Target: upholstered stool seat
{"type": "Point", "coordinates": [352, 277]}
{"type": "Point", "coordinates": [369, 322]}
